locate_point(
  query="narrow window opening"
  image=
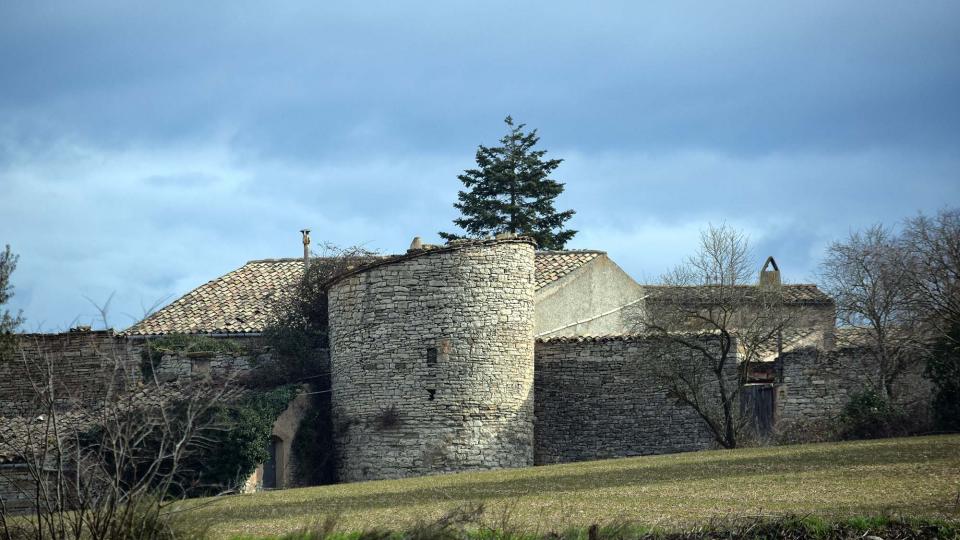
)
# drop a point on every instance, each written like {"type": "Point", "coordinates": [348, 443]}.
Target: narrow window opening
{"type": "Point", "coordinates": [432, 393]}
{"type": "Point", "coordinates": [431, 356]}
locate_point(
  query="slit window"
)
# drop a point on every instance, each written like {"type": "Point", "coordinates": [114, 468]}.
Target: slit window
{"type": "Point", "coordinates": [431, 394]}
{"type": "Point", "coordinates": [431, 356]}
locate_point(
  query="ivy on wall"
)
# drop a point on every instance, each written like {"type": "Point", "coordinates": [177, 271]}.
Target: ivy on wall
{"type": "Point", "coordinates": [183, 344]}
{"type": "Point", "coordinates": [235, 440]}
{"type": "Point", "coordinates": [237, 450]}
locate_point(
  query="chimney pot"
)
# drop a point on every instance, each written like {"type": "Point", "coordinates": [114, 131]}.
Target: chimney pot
{"type": "Point", "coordinates": [306, 247]}
{"type": "Point", "coordinates": [770, 278]}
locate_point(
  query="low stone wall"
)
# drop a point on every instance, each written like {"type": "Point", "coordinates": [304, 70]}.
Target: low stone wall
{"type": "Point", "coordinates": [17, 489]}
{"type": "Point", "coordinates": [174, 366]}
{"type": "Point", "coordinates": [817, 384]}
{"type": "Point", "coordinates": [600, 398]}
{"type": "Point", "coordinates": [86, 367]}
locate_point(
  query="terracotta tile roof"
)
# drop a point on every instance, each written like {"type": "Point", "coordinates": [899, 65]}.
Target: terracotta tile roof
{"type": "Point", "coordinates": [802, 294]}
{"type": "Point", "coordinates": [553, 265]}
{"type": "Point", "coordinates": [241, 301]}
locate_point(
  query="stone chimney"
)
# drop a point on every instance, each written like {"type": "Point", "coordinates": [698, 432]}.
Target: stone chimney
{"type": "Point", "coordinates": [306, 248]}
{"type": "Point", "coordinates": [770, 278]}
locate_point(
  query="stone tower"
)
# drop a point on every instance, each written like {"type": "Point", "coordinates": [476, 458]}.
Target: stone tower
{"type": "Point", "coordinates": [432, 361]}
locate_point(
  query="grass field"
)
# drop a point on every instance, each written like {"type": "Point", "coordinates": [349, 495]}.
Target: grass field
{"type": "Point", "coordinates": [911, 476]}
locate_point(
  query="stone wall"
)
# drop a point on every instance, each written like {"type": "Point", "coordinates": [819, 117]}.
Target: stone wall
{"type": "Point", "coordinates": [600, 398]}
{"type": "Point", "coordinates": [18, 487]}
{"type": "Point", "coordinates": [817, 384]}
{"type": "Point", "coordinates": [432, 362]}
{"type": "Point", "coordinates": [86, 367]}
{"type": "Point", "coordinates": [176, 365]}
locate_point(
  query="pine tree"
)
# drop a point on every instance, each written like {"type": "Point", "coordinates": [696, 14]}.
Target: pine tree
{"type": "Point", "coordinates": [511, 192]}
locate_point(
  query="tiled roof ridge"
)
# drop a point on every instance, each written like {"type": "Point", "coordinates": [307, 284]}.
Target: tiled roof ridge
{"type": "Point", "coordinates": [795, 293]}
{"type": "Point", "coordinates": [279, 260]}
{"type": "Point", "coordinates": [621, 337]}
{"type": "Point", "coordinates": [300, 259]}
{"type": "Point", "coordinates": [567, 251]}
{"type": "Point", "coordinates": [538, 252]}
{"type": "Point", "coordinates": [740, 285]}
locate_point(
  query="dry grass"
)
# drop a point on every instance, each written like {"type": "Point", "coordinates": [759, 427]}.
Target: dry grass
{"type": "Point", "coordinates": [912, 476]}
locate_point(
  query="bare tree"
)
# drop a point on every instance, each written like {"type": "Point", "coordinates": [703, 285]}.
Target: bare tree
{"type": "Point", "coordinates": [712, 307]}
{"type": "Point", "coordinates": [109, 469]}
{"type": "Point", "coordinates": [870, 275]}
{"type": "Point", "coordinates": [933, 244]}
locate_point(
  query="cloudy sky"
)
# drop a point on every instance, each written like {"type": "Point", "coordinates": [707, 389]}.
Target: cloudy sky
{"type": "Point", "coordinates": [147, 149]}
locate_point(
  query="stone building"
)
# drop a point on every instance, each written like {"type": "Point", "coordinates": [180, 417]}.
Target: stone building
{"type": "Point", "coordinates": [432, 361]}
{"type": "Point", "coordinates": [485, 354]}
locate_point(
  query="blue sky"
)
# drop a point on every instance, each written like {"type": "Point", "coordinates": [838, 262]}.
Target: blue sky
{"type": "Point", "coordinates": [147, 149]}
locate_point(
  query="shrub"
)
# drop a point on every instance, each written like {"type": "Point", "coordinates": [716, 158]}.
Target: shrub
{"type": "Point", "coordinates": [869, 415]}
{"type": "Point", "coordinates": [806, 431]}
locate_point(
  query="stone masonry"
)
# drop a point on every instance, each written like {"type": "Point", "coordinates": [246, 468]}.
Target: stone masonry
{"type": "Point", "coordinates": [432, 362]}
{"type": "Point", "coordinates": [435, 368]}
{"type": "Point", "coordinates": [599, 398]}
{"type": "Point", "coordinates": [87, 366]}
{"type": "Point", "coordinates": [817, 384]}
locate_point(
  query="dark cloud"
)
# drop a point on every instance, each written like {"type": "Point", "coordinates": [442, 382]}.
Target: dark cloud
{"type": "Point", "coordinates": [147, 148]}
{"type": "Point", "coordinates": [316, 82]}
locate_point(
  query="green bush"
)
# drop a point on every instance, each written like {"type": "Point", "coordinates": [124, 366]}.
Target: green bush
{"type": "Point", "coordinates": [869, 415]}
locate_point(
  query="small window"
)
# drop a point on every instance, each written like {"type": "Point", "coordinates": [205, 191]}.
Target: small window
{"type": "Point", "coordinates": [431, 393]}
{"type": "Point", "coordinates": [431, 356]}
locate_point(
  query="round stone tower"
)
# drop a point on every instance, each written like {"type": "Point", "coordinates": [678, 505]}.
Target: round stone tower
{"type": "Point", "coordinates": [432, 361]}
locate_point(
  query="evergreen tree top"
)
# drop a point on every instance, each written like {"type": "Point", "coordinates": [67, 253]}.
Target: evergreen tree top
{"type": "Point", "coordinates": [511, 191]}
